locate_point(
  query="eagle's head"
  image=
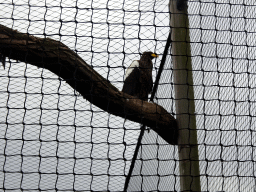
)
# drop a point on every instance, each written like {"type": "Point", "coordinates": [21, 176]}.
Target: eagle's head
{"type": "Point", "coordinates": [149, 54]}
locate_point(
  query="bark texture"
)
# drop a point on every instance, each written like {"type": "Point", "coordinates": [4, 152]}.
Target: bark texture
{"type": "Point", "coordinates": [65, 63]}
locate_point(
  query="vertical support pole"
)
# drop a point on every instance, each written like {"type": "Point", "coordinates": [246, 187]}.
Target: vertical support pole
{"type": "Point", "coordinates": [184, 99]}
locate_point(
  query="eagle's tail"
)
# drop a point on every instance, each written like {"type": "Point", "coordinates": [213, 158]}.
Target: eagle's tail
{"type": "Point", "coordinates": [2, 60]}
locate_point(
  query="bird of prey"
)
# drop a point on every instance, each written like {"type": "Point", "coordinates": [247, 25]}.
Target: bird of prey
{"type": "Point", "coordinates": [138, 78]}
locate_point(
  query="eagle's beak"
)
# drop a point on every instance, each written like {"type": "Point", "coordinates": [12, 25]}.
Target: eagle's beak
{"type": "Point", "coordinates": [154, 55]}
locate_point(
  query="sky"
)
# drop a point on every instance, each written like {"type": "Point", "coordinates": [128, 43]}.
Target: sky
{"type": "Point", "coordinates": [46, 121]}
{"type": "Point", "coordinates": [49, 128]}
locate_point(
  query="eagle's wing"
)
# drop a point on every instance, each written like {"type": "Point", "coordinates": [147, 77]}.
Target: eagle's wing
{"type": "Point", "coordinates": [132, 80]}
{"type": "Point", "coordinates": [146, 81]}
{"type": "Point", "coordinates": [131, 68]}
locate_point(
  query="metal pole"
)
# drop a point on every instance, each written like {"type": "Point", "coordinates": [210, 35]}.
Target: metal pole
{"type": "Point", "coordinates": [184, 99]}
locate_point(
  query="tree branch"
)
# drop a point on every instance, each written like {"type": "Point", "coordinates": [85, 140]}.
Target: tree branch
{"type": "Point", "coordinates": [65, 63]}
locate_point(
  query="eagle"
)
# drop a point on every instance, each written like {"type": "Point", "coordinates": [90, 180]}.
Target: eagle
{"type": "Point", "coordinates": [138, 77]}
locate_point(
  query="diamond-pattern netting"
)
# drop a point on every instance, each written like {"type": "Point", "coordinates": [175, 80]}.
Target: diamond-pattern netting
{"type": "Point", "coordinates": [48, 131]}
{"type": "Point", "coordinates": [51, 139]}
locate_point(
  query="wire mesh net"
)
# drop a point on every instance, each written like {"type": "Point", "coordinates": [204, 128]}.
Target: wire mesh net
{"type": "Point", "coordinates": [53, 139]}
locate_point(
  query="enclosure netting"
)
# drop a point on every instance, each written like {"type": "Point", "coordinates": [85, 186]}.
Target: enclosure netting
{"type": "Point", "coordinates": [53, 139]}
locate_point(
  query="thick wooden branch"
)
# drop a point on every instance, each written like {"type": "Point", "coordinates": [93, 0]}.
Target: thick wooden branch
{"type": "Point", "coordinates": [59, 59]}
